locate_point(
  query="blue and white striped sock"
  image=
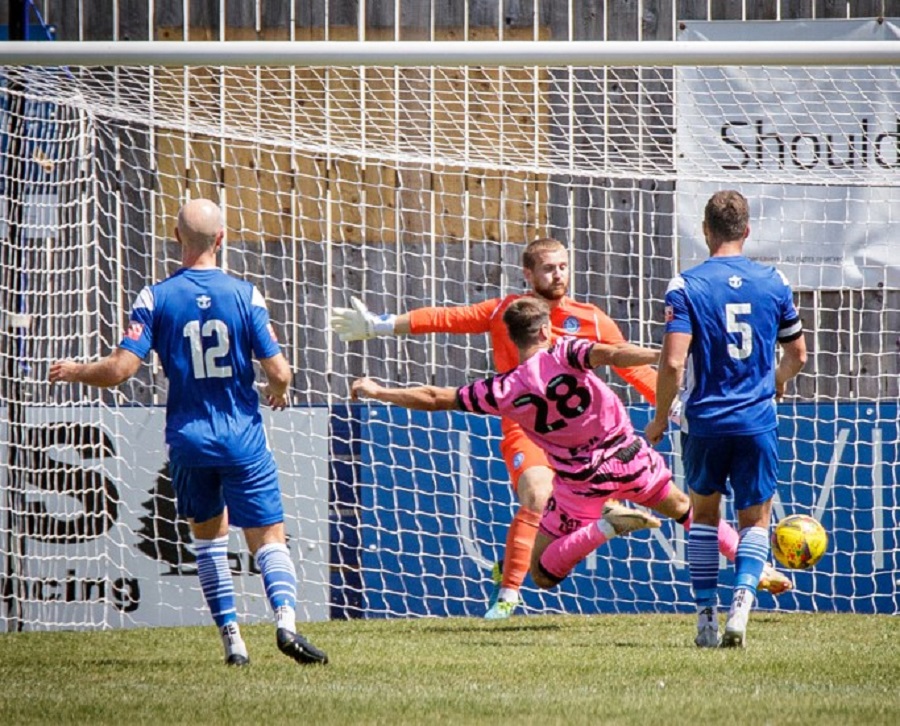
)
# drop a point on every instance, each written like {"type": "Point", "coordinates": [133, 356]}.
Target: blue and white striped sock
{"type": "Point", "coordinates": [280, 581]}
{"type": "Point", "coordinates": [215, 579]}
{"type": "Point", "coordinates": [703, 563]}
{"type": "Point", "coordinates": [752, 555]}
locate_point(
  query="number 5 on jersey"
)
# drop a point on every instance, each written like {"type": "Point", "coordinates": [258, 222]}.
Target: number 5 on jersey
{"type": "Point", "coordinates": [741, 328]}
{"type": "Point", "coordinates": [208, 364]}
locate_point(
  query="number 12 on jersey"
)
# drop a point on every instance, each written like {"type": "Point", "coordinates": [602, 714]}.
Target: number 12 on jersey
{"type": "Point", "coordinates": [207, 363]}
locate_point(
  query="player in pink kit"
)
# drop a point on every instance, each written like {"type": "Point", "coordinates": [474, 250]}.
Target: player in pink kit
{"type": "Point", "coordinates": [584, 429]}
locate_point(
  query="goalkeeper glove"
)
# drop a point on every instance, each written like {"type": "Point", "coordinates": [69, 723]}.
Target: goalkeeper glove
{"type": "Point", "coordinates": [357, 323]}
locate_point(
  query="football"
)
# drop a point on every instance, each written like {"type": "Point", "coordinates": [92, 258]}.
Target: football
{"type": "Point", "coordinates": [799, 541]}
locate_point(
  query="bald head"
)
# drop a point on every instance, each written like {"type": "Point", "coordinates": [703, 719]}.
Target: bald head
{"type": "Point", "coordinates": [199, 225]}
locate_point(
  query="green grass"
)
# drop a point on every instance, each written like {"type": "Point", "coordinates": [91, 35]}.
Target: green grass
{"type": "Point", "coordinates": [611, 669]}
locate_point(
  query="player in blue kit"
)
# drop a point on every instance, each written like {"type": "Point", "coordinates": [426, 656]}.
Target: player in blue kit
{"type": "Point", "coordinates": [206, 326]}
{"type": "Point", "coordinates": [724, 318]}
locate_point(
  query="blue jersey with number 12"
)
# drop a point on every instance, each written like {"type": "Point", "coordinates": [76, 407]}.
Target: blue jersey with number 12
{"type": "Point", "coordinates": [205, 326]}
{"type": "Point", "coordinates": [735, 310]}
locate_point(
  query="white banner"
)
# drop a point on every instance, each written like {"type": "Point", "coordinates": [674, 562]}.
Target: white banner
{"type": "Point", "coordinates": [101, 546]}
{"type": "Point", "coordinates": [815, 150]}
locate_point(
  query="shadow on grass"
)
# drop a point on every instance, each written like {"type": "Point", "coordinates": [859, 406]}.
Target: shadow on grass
{"type": "Point", "coordinates": [488, 627]}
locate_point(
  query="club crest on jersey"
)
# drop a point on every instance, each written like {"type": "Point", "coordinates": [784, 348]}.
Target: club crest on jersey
{"type": "Point", "coordinates": [134, 331]}
{"type": "Point", "coordinates": [735, 281]}
{"type": "Point", "coordinates": [670, 313]}
{"type": "Point", "coordinates": [204, 301]}
{"type": "Point", "coordinates": [571, 324]}
{"type": "Point", "coordinates": [518, 459]}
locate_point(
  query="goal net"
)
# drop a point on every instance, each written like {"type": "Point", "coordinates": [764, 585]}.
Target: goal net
{"type": "Point", "coordinates": [410, 186]}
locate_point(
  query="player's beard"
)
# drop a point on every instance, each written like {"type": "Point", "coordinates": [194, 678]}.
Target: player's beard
{"type": "Point", "coordinates": [552, 292]}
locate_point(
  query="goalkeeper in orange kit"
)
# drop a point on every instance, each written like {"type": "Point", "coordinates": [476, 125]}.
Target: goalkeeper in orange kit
{"type": "Point", "coordinates": [545, 264]}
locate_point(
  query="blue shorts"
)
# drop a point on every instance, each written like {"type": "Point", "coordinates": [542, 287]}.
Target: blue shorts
{"type": "Point", "coordinates": [250, 492]}
{"type": "Point", "coordinates": [748, 463]}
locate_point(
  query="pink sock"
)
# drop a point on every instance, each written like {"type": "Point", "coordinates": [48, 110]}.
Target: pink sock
{"type": "Point", "coordinates": [728, 540]}
{"type": "Point", "coordinates": [561, 555]}
{"type": "Point", "coordinates": [728, 536]}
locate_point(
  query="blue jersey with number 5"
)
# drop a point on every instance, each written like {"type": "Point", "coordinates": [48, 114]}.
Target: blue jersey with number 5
{"type": "Point", "coordinates": [205, 326]}
{"type": "Point", "coordinates": [735, 310]}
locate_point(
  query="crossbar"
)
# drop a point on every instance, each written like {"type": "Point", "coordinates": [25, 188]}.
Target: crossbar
{"type": "Point", "coordinates": [452, 53]}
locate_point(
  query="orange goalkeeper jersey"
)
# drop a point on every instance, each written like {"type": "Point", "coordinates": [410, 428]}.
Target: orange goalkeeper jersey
{"type": "Point", "coordinates": [580, 320]}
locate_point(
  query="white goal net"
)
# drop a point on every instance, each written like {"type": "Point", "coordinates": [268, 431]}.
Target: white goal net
{"type": "Point", "coordinates": [412, 186]}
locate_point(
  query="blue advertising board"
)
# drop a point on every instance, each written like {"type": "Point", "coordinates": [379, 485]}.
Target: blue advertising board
{"type": "Point", "coordinates": [434, 505]}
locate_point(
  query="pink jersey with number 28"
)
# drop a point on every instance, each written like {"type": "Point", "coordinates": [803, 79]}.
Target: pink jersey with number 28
{"type": "Point", "coordinates": [562, 406]}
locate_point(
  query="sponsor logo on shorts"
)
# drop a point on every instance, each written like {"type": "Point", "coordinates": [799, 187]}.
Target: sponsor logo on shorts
{"type": "Point", "coordinates": [568, 524]}
{"type": "Point", "coordinates": [571, 324]}
{"type": "Point", "coordinates": [518, 460]}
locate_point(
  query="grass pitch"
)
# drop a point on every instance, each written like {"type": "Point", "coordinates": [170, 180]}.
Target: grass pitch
{"type": "Point", "coordinates": [609, 669]}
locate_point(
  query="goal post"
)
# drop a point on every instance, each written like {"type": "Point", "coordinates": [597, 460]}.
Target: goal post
{"type": "Point", "coordinates": [412, 174]}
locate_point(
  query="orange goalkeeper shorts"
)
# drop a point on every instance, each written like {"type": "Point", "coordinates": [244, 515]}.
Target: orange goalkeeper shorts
{"type": "Point", "coordinates": [520, 454]}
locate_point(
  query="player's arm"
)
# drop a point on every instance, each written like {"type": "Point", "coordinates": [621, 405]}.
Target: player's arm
{"type": "Point", "coordinates": [641, 377]}
{"type": "Point", "coordinates": [792, 361]}
{"type": "Point", "coordinates": [358, 323]}
{"type": "Point", "coordinates": [116, 368]}
{"type": "Point", "coordinates": [267, 350]}
{"type": "Point", "coordinates": [419, 398]}
{"type": "Point", "coordinates": [790, 337]}
{"type": "Point", "coordinates": [278, 378]}
{"type": "Point", "coordinates": [622, 355]}
{"type": "Point", "coordinates": [668, 382]}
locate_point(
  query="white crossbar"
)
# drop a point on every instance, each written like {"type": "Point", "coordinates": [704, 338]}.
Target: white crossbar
{"type": "Point", "coordinates": [452, 53]}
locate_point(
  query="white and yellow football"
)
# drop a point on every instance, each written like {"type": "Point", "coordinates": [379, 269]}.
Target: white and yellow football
{"type": "Point", "coordinates": [799, 541]}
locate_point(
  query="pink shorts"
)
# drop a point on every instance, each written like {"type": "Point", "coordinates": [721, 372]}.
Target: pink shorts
{"type": "Point", "coordinates": [644, 479]}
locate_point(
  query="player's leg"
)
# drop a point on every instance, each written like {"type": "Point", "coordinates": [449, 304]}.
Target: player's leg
{"type": "Point", "coordinates": [579, 524]}
{"type": "Point", "coordinates": [532, 480]}
{"type": "Point", "coordinates": [542, 578]}
{"type": "Point", "coordinates": [268, 546]}
{"type": "Point", "coordinates": [198, 494]}
{"type": "Point", "coordinates": [753, 480]}
{"type": "Point", "coordinates": [572, 527]}
{"type": "Point", "coordinates": [677, 506]}
{"type": "Point", "coordinates": [254, 503]}
{"type": "Point", "coordinates": [569, 532]}
{"type": "Point", "coordinates": [706, 471]}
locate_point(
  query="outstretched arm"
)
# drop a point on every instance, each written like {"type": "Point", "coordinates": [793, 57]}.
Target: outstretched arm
{"type": "Point", "coordinates": [622, 355]}
{"type": "Point", "coordinates": [116, 368]}
{"type": "Point", "coordinates": [358, 323]}
{"type": "Point", "coordinates": [419, 398]}
{"type": "Point", "coordinates": [641, 377]}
